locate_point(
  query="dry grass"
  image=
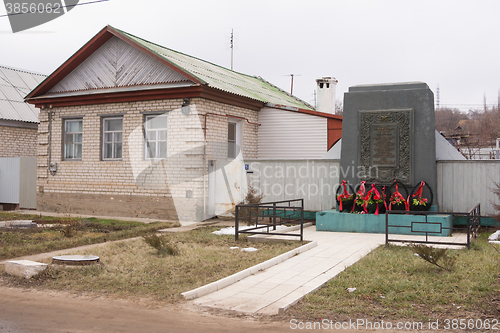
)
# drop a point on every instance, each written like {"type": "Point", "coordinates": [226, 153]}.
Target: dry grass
{"type": "Point", "coordinates": [66, 233]}
{"type": "Point", "coordinates": [393, 283]}
{"type": "Point", "coordinates": [133, 268]}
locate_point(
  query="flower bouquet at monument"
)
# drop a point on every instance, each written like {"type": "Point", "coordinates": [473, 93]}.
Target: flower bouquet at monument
{"type": "Point", "coordinates": [374, 201]}
{"type": "Point", "coordinates": [420, 203]}
{"type": "Point", "coordinates": [359, 201]}
{"type": "Point", "coordinates": [345, 200]}
{"type": "Point", "coordinates": [397, 201]}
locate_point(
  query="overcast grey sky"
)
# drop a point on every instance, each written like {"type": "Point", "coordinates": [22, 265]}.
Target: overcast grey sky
{"type": "Point", "coordinates": [454, 44]}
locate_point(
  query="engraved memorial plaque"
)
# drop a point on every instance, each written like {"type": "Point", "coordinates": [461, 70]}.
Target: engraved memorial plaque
{"type": "Point", "coordinates": [385, 142]}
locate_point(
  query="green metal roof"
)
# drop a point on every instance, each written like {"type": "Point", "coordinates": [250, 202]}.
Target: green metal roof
{"type": "Point", "coordinates": [222, 78]}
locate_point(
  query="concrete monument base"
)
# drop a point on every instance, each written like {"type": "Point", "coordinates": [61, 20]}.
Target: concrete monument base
{"type": "Point", "coordinates": [332, 220]}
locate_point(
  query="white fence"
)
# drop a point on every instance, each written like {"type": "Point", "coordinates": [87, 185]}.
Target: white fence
{"type": "Point", "coordinates": [18, 181]}
{"type": "Point", "coordinates": [315, 181]}
{"type": "Point", "coordinates": [463, 184]}
{"type": "Point", "coordinates": [460, 184]}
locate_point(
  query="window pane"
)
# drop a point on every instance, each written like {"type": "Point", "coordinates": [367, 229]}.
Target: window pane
{"type": "Point", "coordinates": [69, 139]}
{"type": "Point", "coordinates": [118, 150]}
{"type": "Point", "coordinates": [108, 150]}
{"type": "Point", "coordinates": [231, 132]}
{"type": "Point", "coordinates": [163, 149]}
{"type": "Point", "coordinates": [108, 137]}
{"type": "Point", "coordinates": [157, 122]}
{"type": "Point", "coordinates": [68, 151]}
{"type": "Point", "coordinates": [162, 135]}
{"type": "Point", "coordinates": [118, 137]}
{"type": "Point", "coordinates": [74, 126]}
{"type": "Point", "coordinates": [112, 124]}
{"type": "Point", "coordinates": [231, 150]}
{"type": "Point", "coordinates": [78, 138]}
{"type": "Point", "coordinates": [78, 151]}
{"type": "Point", "coordinates": [151, 150]}
{"type": "Point", "coordinates": [151, 135]}
{"type": "Point", "coordinates": [79, 126]}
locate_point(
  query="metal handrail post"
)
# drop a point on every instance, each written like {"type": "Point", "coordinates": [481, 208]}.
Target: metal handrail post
{"type": "Point", "coordinates": [426, 232]}
{"type": "Point", "coordinates": [468, 230]}
{"type": "Point", "coordinates": [386, 228]}
{"type": "Point", "coordinates": [478, 217]}
{"type": "Point", "coordinates": [302, 220]}
{"type": "Point", "coordinates": [274, 216]}
{"type": "Point", "coordinates": [236, 223]}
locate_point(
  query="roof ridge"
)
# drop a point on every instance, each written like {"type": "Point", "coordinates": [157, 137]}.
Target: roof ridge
{"type": "Point", "coordinates": [184, 54]}
{"type": "Point", "coordinates": [22, 70]}
{"type": "Point", "coordinates": [286, 92]}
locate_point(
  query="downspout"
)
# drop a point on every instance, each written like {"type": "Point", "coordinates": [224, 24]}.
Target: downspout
{"type": "Point", "coordinates": [50, 113]}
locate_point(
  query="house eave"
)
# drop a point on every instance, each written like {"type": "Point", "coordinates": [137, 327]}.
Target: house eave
{"type": "Point", "coordinates": [95, 92]}
{"type": "Point", "coordinates": [18, 124]}
{"type": "Point", "coordinates": [145, 93]}
{"type": "Point", "coordinates": [311, 112]}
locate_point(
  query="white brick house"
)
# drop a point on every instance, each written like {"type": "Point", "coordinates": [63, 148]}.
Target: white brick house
{"type": "Point", "coordinates": [130, 128]}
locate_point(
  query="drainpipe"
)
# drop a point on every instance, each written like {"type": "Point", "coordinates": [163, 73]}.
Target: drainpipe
{"type": "Point", "coordinates": [50, 114]}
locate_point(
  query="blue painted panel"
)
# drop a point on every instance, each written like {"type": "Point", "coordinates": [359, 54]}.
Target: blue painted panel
{"type": "Point", "coordinates": [331, 220]}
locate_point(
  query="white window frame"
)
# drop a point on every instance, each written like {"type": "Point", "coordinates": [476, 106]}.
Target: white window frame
{"type": "Point", "coordinates": [238, 139]}
{"type": "Point", "coordinates": [157, 137]}
{"type": "Point", "coordinates": [113, 142]}
{"type": "Point", "coordinates": [74, 143]}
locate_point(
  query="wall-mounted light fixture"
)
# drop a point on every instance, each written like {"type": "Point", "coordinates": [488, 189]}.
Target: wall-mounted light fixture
{"type": "Point", "coordinates": [186, 108]}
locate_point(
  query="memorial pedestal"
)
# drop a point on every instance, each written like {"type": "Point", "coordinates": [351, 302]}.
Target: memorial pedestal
{"type": "Point", "coordinates": [332, 220]}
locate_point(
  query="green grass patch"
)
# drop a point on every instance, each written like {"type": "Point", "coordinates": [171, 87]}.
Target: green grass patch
{"type": "Point", "coordinates": [391, 282]}
{"type": "Point", "coordinates": [134, 268]}
{"type": "Point", "coordinates": [62, 233]}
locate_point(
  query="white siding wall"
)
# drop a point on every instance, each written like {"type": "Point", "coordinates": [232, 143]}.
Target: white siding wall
{"type": "Point", "coordinates": [463, 184]}
{"type": "Point", "coordinates": [315, 181]}
{"type": "Point", "coordinates": [291, 135]}
{"type": "Point", "coordinates": [9, 179]}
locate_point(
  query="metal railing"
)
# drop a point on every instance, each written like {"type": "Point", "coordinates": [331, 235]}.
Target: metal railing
{"type": "Point", "coordinates": [269, 215]}
{"type": "Point", "coordinates": [472, 227]}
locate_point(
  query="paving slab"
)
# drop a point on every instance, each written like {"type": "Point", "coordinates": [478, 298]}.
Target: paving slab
{"type": "Point", "coordinates": [24, 268]}
{"type": "Point", "coordinates": [276, 289]}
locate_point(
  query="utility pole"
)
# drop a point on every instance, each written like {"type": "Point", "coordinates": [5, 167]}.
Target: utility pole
{"type": "Point", "coordinates": [437, 98]}
{"type": "Point", "coordinates": [232, 48]}
{"type": "Point", "coordinates": [498, 103]}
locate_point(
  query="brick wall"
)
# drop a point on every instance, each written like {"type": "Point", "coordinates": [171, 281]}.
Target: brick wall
{"type": "Point", "coordinates": [178, 185]}
{"type": "Point", "coordinates": [17, 141]}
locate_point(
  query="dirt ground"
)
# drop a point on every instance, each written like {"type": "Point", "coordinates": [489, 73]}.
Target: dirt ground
{"type": "Point", "coordinates": [23, 310]}
{"type": "Point", "coordinates": [29, 310]}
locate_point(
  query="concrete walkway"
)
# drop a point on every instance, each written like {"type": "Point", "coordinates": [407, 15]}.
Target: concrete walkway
{"type": "Point", "coordinates": [274, 290]}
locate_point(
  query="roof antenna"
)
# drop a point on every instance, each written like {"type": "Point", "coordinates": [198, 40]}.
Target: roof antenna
{"type": "Point", "coordinates": [232, 48]}
{"type": "Point", "coordinates": [291, 86]}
